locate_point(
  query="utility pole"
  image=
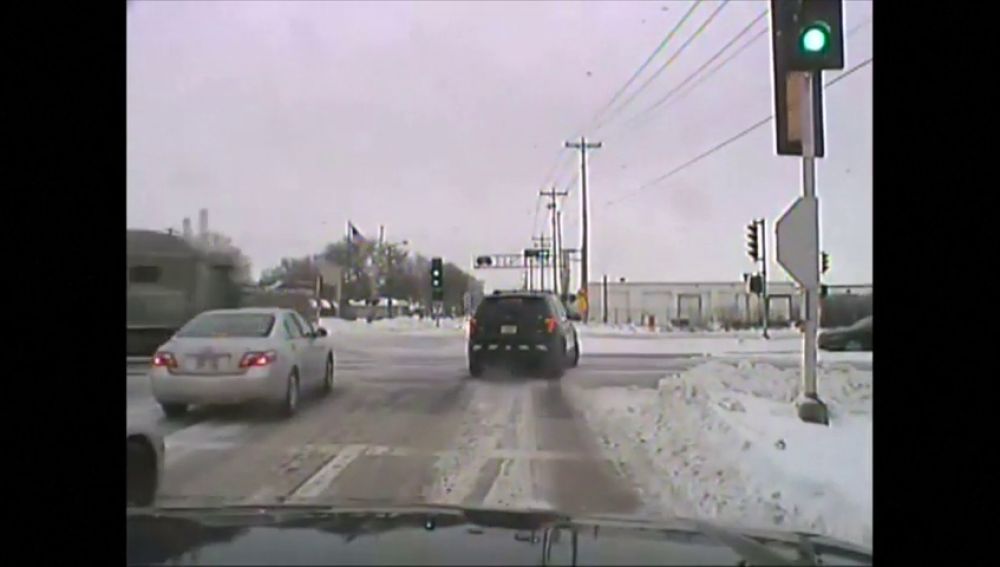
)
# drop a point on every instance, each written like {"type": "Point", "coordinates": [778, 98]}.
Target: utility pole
{"type": "Point", "coordinates": [555, 234]}
{"type": "Point", "coordinates": [563, 256]}
{"type": "Point", "coordinates": [604, 300]}
{"type": "Point", "coordinates": [583, 145]}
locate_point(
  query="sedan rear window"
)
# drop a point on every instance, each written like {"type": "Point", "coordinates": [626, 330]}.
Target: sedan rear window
{"type": "Point", "coordinates": [243, 325]}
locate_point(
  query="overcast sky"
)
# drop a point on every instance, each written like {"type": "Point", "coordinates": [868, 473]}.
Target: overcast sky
{"type": "Point", "coordinates": [441, 120]}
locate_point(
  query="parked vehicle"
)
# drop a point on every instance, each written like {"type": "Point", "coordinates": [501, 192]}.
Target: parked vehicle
{"type": "Point", "coordinates": [854, 337]}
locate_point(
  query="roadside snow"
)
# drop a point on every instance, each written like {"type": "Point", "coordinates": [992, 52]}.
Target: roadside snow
{"type": "Point", "coordinates": [394, 325]}
{"type": "Point", "coordinates": [723, 442]}
{"type": "Point", "coordinates": [783, 345]}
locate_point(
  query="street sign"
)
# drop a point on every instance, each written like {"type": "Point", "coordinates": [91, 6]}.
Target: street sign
{"type": "Point", "coordinates": [798, 241]}
{"type": "Point", "coordinates": [500, 261]}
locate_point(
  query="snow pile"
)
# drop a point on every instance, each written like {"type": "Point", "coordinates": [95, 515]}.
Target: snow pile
{"type": "Point", "coordinates": [723, 442]}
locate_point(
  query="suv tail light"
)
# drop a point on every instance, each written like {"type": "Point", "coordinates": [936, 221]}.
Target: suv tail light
{"type": "Point", "coordinates": [252, 359]}
{"type": "Point", "coordinates": [473, 326]}
{"type": "Point", "coordinates": [164, 360]}
{"type": "Point", "coordinates": [550, 325]}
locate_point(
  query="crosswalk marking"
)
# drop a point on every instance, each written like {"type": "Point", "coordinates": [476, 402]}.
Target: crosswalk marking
{"type": "Point", "coordinates": [325, 476]}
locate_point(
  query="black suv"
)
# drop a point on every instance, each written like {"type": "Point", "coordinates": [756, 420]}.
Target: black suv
{"type": "Point", "coordinates": [523, 327]}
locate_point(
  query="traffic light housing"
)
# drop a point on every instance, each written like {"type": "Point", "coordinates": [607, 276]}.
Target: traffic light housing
{"type": "Point", "coordinates": [824, 262]}
{"type": "Point", "coordinates": [756, 284]}
{"type": "Point", "coordinates": [437, 279]}
{"type": "Point", "coordinates": [753, 241]}
{"type": "Point", "coordinates": [793, 22]}
{"type": "Point", "coordinates": [816, 41]}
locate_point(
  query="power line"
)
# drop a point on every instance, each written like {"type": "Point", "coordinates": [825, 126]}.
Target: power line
{"type": "Point", "coordinates": [703, 65]}
{"type": "Point", "coordinates": [726, 142]}
{"type": "Point", "coordinates": [646, 63]}
{"type": "Point", "coordinates": [673, 58]}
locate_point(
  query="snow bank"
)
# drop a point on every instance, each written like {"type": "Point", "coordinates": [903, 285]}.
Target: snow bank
{"type": "Point", "coordinates": [723, 442]}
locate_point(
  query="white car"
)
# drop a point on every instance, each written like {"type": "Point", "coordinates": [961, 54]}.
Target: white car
{"type": "Point", "coordinates": [232, 356]}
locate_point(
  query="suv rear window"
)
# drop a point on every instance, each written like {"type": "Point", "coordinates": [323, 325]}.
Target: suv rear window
{"type": "Point", "coordinates": [512, 307]}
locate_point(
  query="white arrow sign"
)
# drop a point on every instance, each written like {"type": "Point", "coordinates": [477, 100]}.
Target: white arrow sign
{"type": "Point", "coordinates": [798, 241]}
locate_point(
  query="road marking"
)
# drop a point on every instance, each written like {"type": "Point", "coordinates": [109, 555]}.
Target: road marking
{"type": "Point", "coordinates": [459, 470]}
{"type": "Point", "coordinates": [515, 483]}
{"type": "Point", "coordinates": [324, 477]}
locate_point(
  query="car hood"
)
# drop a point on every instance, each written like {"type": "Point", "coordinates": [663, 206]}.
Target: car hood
{"type": "Point", "coordinates": [453, 535]}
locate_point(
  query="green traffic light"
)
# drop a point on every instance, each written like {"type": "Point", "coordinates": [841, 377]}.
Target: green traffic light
{"type": "Point", "coordinates": [815, 38]}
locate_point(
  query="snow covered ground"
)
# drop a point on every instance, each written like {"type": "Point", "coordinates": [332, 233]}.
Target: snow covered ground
{"type": "Point", "coordinates": [723, 442]}
{"type": "Point", "coordinates": [785, 344]}
{"type": "Point", "coordinates": [394, 325]}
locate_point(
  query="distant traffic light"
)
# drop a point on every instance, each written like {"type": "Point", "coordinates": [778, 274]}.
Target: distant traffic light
{"type": "Point", "coordinates": [437, 279]}
{"type": "Point", "coordinates": [484, 261]}
{"type": "Point", "coordinates": [753, 241]}
{"type": "Point", "coordinates": [825, 263]}
{"type": "Point", "coordinates": [756, 284]}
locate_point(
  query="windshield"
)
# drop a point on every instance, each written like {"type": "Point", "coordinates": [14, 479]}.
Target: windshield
{"type": "Point", "coordinates": [236, 325]}
{"type": "Point", "coordinates": [519, 255]}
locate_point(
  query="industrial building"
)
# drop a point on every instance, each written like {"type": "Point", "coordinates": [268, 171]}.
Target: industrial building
{"type": "Point", "coordinates": [703, 304]}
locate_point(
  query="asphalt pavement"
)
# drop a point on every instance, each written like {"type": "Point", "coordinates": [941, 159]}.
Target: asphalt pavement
{"type": "Point", "coordinates": [405, 424]}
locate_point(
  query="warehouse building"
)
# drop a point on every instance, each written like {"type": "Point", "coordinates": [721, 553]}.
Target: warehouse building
{"type": "Point", "coordinates": [702, 305]}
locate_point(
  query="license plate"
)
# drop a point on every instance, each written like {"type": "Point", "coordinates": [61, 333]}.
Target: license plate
{"type": "Point", "coordinates": [508, 329]}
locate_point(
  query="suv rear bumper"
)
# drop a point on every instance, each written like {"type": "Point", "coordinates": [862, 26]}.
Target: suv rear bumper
{"type": "Point", "coordinates": [488, 351]}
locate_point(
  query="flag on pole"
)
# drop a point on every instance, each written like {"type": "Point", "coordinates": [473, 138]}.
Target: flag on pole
{"type": "Point", "coordinates": [354, 235]}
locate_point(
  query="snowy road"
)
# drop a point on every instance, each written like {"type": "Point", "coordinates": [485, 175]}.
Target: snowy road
{"type": "Point", "coordinates": [403, 425]}
{"type": "Point", "coordinates": [406, 425]}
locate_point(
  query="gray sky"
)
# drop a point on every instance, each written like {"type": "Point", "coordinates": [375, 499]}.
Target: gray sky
{"type": "Point", "coordinates": [440, 120]}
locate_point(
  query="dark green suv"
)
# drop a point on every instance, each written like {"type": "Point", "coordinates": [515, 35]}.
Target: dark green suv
{"type": "Point", "coordinates": [514, 328]}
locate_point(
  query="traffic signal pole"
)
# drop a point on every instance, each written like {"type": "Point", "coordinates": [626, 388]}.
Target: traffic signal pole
{"type": "Point", "coordinates": [807, 38]}
{"type": "Point", "coordinates": [810, 408]}
{"type": "Point", "coordinates": [763, 275]}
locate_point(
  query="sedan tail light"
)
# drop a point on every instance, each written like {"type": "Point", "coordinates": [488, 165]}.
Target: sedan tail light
{"type": "Point", "coordinates": [550, 325]}
{"type": "Point", "coordinates": [251, 359]}
{"type": "Point", "coordinates": [164, 360]}
{"type": "Point", "coordinates": [473, 326]}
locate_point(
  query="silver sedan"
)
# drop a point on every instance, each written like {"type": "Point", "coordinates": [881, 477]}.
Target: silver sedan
{"type": "Point", "coordinates": [232, 356]}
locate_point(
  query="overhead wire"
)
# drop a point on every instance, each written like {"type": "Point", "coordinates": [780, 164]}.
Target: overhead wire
{"type": "Point", "coordinates": [703, 66]}
{"type": "Point", "coordinates": [726, 142]}
{"type": "Point", "coordinates": [673, 31]}
{"type": "Point", "coordinates": [680, 50]}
